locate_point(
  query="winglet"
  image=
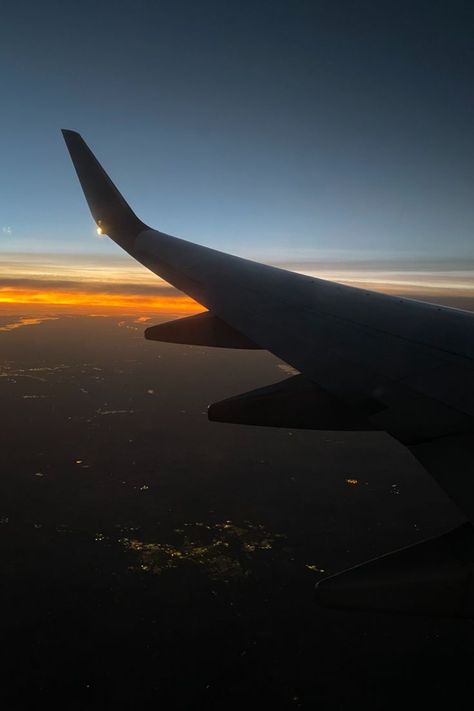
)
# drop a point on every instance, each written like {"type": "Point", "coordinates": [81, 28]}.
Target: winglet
{"type": "Point", "coordinates": [111, 212]}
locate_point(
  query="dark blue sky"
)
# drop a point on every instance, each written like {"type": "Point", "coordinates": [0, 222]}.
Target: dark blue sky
{"type": "Point", "coordinates": [281, 130]}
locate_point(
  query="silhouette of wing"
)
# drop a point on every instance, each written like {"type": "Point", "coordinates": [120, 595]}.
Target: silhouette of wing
{"type": "Point", "coordinates": [367, 360]}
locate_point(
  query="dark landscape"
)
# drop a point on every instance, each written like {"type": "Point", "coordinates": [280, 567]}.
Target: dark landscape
{"type": "Point", "coordinates": [150, 557]}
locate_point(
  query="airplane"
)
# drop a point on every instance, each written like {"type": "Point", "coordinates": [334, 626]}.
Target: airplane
{"type": "Point", "coordinates": [365, 361]}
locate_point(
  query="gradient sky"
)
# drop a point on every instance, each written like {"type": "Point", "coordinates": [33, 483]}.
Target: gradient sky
{"type": "Point", "coordinates": [285, 131]}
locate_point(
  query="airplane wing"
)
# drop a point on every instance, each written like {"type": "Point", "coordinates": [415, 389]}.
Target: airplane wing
{"type": "Point", "coordinates": [365, 360]}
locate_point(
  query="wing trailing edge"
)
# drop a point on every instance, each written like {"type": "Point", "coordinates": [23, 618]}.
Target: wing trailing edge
{"type": "Point", "coordinates": [434, 577]}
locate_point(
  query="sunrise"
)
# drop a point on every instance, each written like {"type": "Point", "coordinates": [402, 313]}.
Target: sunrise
{"type": "Point", "coordinates": [83, 283]}
{"type": "Point", "coordinates": [83, 301]}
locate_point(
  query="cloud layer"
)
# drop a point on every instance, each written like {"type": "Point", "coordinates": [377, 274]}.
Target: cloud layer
{"type": "Point", "coordinates": [117, 284]}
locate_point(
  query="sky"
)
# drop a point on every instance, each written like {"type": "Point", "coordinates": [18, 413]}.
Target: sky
{"type": "Point", "coordinates": [303, 134]}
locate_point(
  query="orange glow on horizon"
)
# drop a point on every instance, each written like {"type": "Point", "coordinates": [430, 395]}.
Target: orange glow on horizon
{"type": "Point", "coordinates": [87, 300]}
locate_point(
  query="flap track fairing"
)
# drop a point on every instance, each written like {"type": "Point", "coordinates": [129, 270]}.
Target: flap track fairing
{"type": "Point", "coordinates": [200, 330]}
{"type": "Point", "coordinates": [293, 403]}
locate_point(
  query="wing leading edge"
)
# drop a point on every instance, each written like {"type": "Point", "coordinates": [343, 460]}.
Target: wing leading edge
{"type": "Point", "coordinates": [395, 364]}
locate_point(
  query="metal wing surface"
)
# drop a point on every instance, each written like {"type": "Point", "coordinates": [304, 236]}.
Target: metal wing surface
{"type": "Point", "coordinates": [366, 360]}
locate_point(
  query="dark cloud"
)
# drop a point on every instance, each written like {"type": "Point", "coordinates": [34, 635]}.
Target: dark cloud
{"type": "Point", "coordinates": [118, 288]}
